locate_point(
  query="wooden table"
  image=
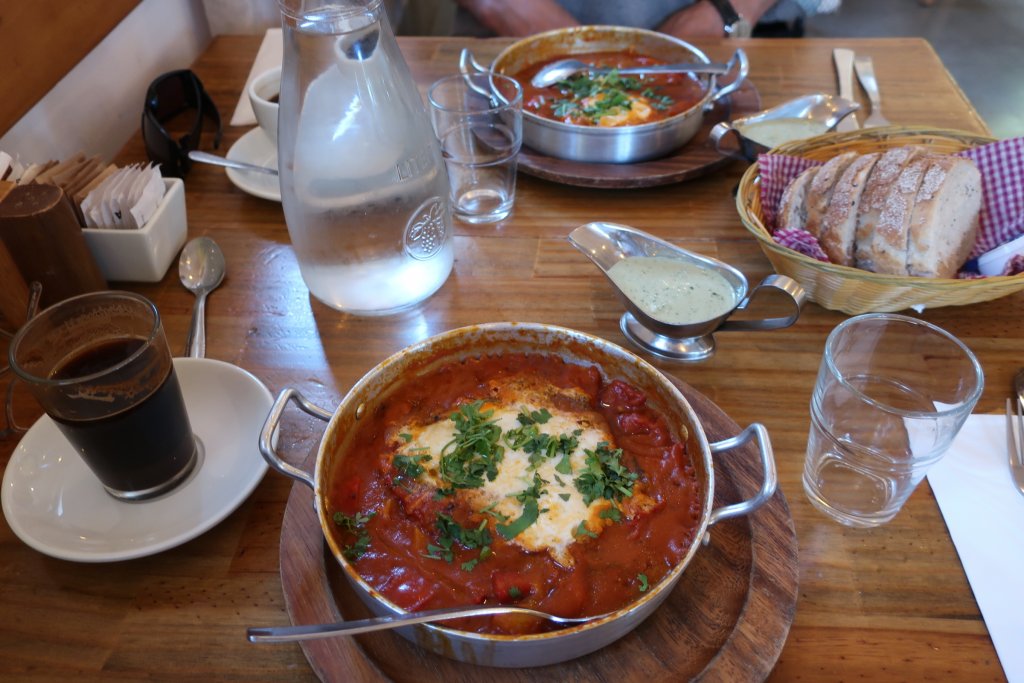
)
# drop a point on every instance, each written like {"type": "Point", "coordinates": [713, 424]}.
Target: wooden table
{"type": "Point", "coordinates": [887, 604]}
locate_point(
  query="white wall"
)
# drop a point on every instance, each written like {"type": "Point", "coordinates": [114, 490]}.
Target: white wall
{"type": "Point", "coordinates": [96, 107]}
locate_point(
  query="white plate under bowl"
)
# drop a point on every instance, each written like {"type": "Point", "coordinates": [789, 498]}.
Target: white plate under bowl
{"type": "Point", "coordinates": [54, 503]}
{"type": "Point", "coordinates": [255, 148]}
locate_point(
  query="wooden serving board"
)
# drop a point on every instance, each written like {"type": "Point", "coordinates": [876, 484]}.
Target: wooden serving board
{"type": "Point", "coordinates": [696, 158]}
{"type": "Point", "coordinates": [726, 620]}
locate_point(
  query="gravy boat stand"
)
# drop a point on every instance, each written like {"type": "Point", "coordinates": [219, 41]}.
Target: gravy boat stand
{"type": "Point", "coordinates": [607, 243]}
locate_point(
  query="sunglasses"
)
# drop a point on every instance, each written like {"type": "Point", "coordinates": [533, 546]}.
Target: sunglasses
{"type": "Point", "coordinates": [167, 98]}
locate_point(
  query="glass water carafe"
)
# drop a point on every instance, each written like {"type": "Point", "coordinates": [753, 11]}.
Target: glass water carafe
{"type": "Point", "coordinates": [363, 184]}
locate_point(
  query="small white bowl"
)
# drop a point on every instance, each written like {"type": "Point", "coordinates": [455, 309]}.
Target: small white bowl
{"type": "Point", "coordinates": [143, 255]}
{"type": "Point", "coordinates": [992, 262]}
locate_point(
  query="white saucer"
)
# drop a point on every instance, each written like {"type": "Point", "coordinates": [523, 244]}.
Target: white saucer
{"type": "Point", "coordinates": [255, 148]}
{"type": "Point", "coordinates": [53, 502]}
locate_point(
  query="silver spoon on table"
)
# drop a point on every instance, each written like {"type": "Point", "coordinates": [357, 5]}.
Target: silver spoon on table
{"type": "Point", "coordinates": [201, 269]}
{"type": "Point", "coordinates": [564, 68]}
{"type": "Point", "coordinates": [289, 634]}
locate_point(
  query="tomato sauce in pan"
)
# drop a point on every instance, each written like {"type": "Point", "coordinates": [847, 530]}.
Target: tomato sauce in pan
{"type": "Point", "coordinates": [588, 100]}
{"type": "Point", "coordinates": [425, 542]}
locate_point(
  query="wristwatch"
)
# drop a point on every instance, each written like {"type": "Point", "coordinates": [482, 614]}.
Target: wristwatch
{"type": "Point", "coordinates": [735, 25]}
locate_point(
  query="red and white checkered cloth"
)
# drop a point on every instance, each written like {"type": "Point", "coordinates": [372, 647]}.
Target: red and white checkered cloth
{"type": "Point", "coordinates": [1002, 184]}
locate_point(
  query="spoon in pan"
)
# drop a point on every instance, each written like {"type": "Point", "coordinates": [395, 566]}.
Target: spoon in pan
{"type": "Point", "coordinates": [564, 68]}
{"type": "Point", "coordinates": [201, 269]}
{"type": "Point", "coordinates": [290, 634]}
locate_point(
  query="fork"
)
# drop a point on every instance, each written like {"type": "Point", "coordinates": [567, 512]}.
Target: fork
{"type": "Point", "coordinates": [1015, 442]}
{"type": "Point", "coordinates": [866, 75]}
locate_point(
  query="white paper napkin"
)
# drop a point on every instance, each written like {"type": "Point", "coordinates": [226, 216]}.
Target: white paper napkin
{"type": "Point", "coordinates": [269, 56]}
{"type": "Point", "coordinates": [985, 517]}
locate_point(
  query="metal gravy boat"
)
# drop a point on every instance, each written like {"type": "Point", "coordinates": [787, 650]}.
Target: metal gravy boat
{"type": "Point", "coordinates": [608, 243]}
{"type": "Point", "coordinates": [805, 117]}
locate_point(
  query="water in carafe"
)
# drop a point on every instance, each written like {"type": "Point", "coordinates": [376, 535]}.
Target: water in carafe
{"type": "Point", "coordinates": [363, 184]}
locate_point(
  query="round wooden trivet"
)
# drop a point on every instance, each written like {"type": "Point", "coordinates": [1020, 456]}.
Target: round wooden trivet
{"type": "Point", "coordinates": [726, 620]}
{"type": "Point", "coordinates": [694, 159]}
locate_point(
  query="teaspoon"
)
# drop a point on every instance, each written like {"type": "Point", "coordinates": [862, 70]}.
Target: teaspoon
{"type": "Point", "coordinates": [290, 634]}
{"type": "Point", "coordinates": [201, 269]}
{"type": "Point", "coordinates": [214, 160]}
{"type": "Point", "coordinates": [563, 68]}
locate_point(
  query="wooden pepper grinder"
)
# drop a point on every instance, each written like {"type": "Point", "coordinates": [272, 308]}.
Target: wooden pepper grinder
{"type": "Point", "coordinates": [40, 231]}
{"type": "Point", "coordinates": [13, 290]}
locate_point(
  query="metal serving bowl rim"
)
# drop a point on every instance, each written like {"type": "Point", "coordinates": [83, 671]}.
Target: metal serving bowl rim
{"type": "Point", "coordinates": [708, 85]}
{"type": "Point", "coordinates": [658, 592]}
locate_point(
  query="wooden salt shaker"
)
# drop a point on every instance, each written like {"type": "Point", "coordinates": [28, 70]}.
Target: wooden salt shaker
{"type": "Point", "coordinates": [39, 228]}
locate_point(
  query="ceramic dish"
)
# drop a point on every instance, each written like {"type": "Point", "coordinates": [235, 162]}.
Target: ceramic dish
{"type": "Point", "coordinates": [143, 255]}
{"type": "Point", "coordinates": [54, 504]}
{"type": "Point", "coordinates": [255, 148]}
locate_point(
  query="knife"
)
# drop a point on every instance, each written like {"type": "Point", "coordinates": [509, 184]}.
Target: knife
{"type": "Point", "coordinates": [843, 59]}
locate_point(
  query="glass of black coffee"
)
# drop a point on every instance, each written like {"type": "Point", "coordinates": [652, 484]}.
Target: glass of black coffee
{"type": "Point", "coordinates": [100, 367]}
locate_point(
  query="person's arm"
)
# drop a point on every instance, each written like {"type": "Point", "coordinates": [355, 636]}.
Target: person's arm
{"type": "Point", "coordinates": [702, 19]}
{"type": "Point", "coordinates": [519, 17]}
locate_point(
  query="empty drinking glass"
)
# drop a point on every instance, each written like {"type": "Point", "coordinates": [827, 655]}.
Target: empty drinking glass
{"type": "Point", "coordinates": [478, 119]}
{"type": "Point", "coordinates": [892, 393]}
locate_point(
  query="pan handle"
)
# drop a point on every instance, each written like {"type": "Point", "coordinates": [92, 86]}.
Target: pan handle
{"type": "Point", "coordinates": [793, 291]}
{"type": "Point", "coordinates": [270, 426]}
{"type": "Point", "coordinates": [771, 478]}
{"type": "Point", "coordinates": [741, 65]}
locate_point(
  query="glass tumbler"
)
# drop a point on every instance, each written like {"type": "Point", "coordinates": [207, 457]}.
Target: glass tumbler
{"type": "Point", "coordinates": [100, 367]}
{"type": "Point", "coordinates": [891, 394]}
{"type": "Point", "coordinates": [478, 119]}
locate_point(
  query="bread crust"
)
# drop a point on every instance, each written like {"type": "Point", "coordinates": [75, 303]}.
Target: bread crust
{"type": "Point", "coordinates": [839, 226]}
{"type": "Point", "coordinates": [944, 224]}
{"type": "Point", "coordinates": [793, 212]}
{"type": "Point", "coordinates": [873, 198]}
{"type": "Point", "coordinates": [820, 192]}
{"type": "Point", "coordinates": [890, 238]}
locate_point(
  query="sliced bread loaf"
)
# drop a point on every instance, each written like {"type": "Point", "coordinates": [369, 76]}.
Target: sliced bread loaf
{"type": "Point", "coordinates": [839, 226]}
{"type": "Point", "coordinates": [793, 209]}
{"type": "Point", "coordinates": [820, 192]}
{"type": "Point", "coordinates": [944, 223]}
{"type": "Point", "coordinates": [888, 251]}
{"type": "Point", "coordinates": [873, 198]}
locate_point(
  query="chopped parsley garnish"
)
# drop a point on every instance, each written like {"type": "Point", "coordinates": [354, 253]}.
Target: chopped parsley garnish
{"type": "Point", "coordinates": [451, 532]}
{"type": "Point", "coordinates": [642, 578]}
{"type": "Point", "coordinates": [524, 437]}
{"type": "Point", "coordinates": [604, 94]}
{"type": "Point", "coordinates": [533, 417]}
{"type": "Point", "coordinates": [406, 437]}
{"type": "Point", "coordinates": [582, 530]}
{"type": "Point", "coordinates": [489, 510]}
{"type": "Point", "coordinates": [540, 446]}
{"type": "Point", "coordinates": [409, 466]}
{"type": "Point", "coordinates": [531, 510]}
{"type": "Point", "coordinates": [474, 453]}
{"type": "Point", "coordinates": [659, 102]}
{"type": "Point", "coordinates": [514, 593]}
{"type": "Point", "coordinates": [604, 475]}
{"type": "Point", "coordinates": [567, 444]}
{"type": "Point", "coordinates": [356, 525]}
{"type": "Point", "coordinates": [564, 496]}
{"type": "Point", "coordinates": [612, 513]}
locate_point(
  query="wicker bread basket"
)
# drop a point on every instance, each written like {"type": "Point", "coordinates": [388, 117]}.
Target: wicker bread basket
{"type": "Point", "coordinates": [851, 290]}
